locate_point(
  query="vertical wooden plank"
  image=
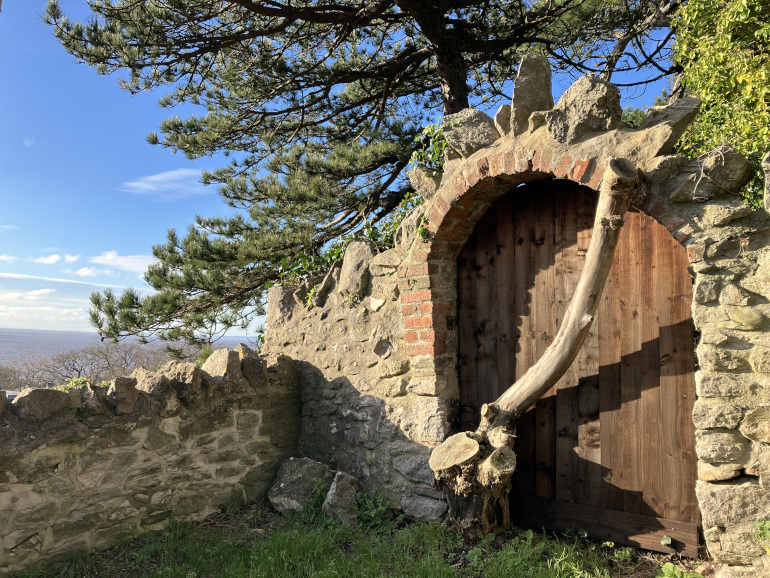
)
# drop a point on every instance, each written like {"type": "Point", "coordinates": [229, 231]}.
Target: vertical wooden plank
{"type": "Point", "coordinates": [466, 312]}
{"type": "Point", "coordinates": [676, 381]}
{"type": "Point", "coordinates": [567, 267]}
{"type": "Point", "coordinates": [630, 374]}
{"type": "Point", "coordinates": [649, 427]}
{"type": "Point", "coordinates": [543, 328]}
{"type": "Point", "coordinates": [609, 329]}
{"type": "Point", "coordinates": [485, 330]}
{"type": "Point", "coordinates": [506, 328]}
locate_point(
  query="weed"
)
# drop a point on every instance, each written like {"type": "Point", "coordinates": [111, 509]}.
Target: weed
{"type": "Point", "coordinates": [670, 571]}
{"type": "Point", "coordinates": [310, 299]}
{"type": "Point", "coordinates": [352, 300]}
{"type": "Point", "coordinates": [422, 230]}
{"type": "Point", "coordinates": [762, 531]}
{"type": "Point", "coordinates": [372, 512]}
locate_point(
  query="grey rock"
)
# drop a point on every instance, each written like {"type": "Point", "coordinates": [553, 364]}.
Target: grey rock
{"type": "Point", "coordinates": [589, 105]}
{"type": "Point", "coordinates": [708, 416]}
{"type": "Point", "coordinates": [758, 462]}
{"type": "Point", "coordinates": [340, 502]}
{"type": "Point", "coordinates": [676, 116]}
{"type": "Point", "coordinates": [123, 395]}
{"type": "Point", "coordinates": [280, 306]}
{"type": "Point", "coordinates": [718, 472]}
{"type": "Point", "coordinates": [717, 446]}
{"type": "Point", "coordinates": [386, 263]}
{"type": "Point", "coordinates": [725, 504]}
{"type": "Point", "coordinates": [186, 379]}
{"type": "Point", "coordinates": [735, 295]}
{"type": "Point", "coordinates": [425, 181]}
{"type": "Point", "coordinates": [747, 319]}
{"type": "Point", "coordinates": [414, 468]}
{"type": "Point", "coordinates": [423, 508]}
{"type": "Point", "coordinates": [469, 130]}
{"type": "Point", "coordinates": [503, 119]}
{"type": "Point", "coordinates": [39, 404]}
{"type": "Point", "coordinates": [715, 360]}
{"type": "Point", "coordinates": [719, 214]}
{"type": "Point", "coordinates": [727, 169]}
{"type": "Point", "coordinates": [532, 92]}
{"type": "Point", "coordinates": [707, 289]}
{"type": "Point", "coordinates": [224, 365]}
{"type": "Point", "coordinates": [756, 425]}
{"type": "Point", "coordinates": [158, 387]}
{"type": "Point", "coordinates": [354, 276]}
{"type": "Point", "coordinates": [406, 230]}
{"type": "Point", "coordinates": [295, 482]}
{"type": "Point", "coordinates": [660, 169]}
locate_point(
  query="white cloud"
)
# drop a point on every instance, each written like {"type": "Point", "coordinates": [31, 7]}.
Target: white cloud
{"type": "Point", "coordinates": [9, 227]}
{"type": "Point", "coordinates": [46, 317]}
{"type": "Point", "coordinates": [7, 258]}
{"type": "Point", "coordinates": [169, 185]}
{"type": "Point", "coordinates": [54, 280]}
{"type": "Point", "coordinates": [132, 263]}
{"type": "Point", "coordinates": [33, 295]}
{"type": "Point", "coordinates": [91, 272]}
{"type": "Point", "coordinates": [50, 260]}
{"type": "Point", "coordinates": [71, 258]}
{"type": "Point", "coordinates": [29, 142]}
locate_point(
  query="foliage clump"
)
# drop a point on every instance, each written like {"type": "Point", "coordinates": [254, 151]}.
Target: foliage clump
{"type": "Point", "coordinates": [723, 47]}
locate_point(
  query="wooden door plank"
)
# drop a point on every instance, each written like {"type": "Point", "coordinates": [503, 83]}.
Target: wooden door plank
{"type": "Point", "coordinates": [609, 329]}
{"type": "Point", "coordinates": [469, 390]}
{"type": "Point", "coordinates": [542, 208]}
{"type": "Point", "coordinates": [506, 331]}
{"type": "Point", "coordinates": [630, 374]}
{"type": "Point", "coordinates": [650, 425]}
{"type": "Point", "coordinates": [621, 527]}
{"type": "Point", "coordinates": [485, 330]}
{"type": "Point", "coordinates": [567, 267]}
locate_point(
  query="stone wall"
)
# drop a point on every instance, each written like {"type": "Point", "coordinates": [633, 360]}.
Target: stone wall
{"type": "Point", "coordinates": [366, 408]}
{"type": "Point", "coordinates": [80, 469]}
{"type": "Point", "coordinates": [379, 352]}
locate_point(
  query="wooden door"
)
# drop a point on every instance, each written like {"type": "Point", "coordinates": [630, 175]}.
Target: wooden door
{"type": "Point", "coordinates": [610, 448]}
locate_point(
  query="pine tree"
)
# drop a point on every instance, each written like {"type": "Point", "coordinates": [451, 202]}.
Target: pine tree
{"type": "Point", "coordinates": [318, 104]}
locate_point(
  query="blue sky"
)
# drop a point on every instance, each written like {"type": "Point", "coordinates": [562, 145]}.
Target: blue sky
{"type": "Point", "coordinates": [83, 197]}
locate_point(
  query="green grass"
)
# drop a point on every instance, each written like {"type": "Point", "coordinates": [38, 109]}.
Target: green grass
{"type": "Point", "coordinates": [255, 542]}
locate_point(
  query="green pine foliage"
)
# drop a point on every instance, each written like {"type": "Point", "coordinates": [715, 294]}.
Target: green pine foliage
{"type": "Point", "coordinates": [317, 107]}
{"type": "Point", "coordinates": [724, 48]}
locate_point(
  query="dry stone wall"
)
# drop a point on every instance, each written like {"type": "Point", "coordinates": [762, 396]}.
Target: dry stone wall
{"type": "Point", "coordinates": [80, 469]}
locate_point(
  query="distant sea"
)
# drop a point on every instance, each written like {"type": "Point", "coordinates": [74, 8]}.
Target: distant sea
{"type": "Point", "coordinates": [15, 342]}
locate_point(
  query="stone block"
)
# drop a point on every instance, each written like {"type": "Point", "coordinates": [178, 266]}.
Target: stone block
{"type": "Point", "coordinates": [469, 130]}
{"type": "Point", "coordinates": [760, 359]}
{"type": "Point", "coordinates": [423, 508]}
{"type": "Point", "coordinates": [745, 318]}
{"type": "Point", "coordinates": [531, 92]}
{"type": "Point", "coordinates": [715, 360]}
{"type": "Point", "coordinates": [354, 276]}
{"type": "Point", "coordinates": [720, 446]}
{"type": "Point", "coordinates": [157, 439]}
{"type": "Point", "coordinates": [589, 105]}
{"type": "Point", "coordinates": [718, 472]}
{"type": "Point", "coordinates": [723, 385]}
{"type": "Point", "coordinates": [709, 416]}
{"type": "Point", "coordinates": [707, 289]}
{"type": "Point", "coordinates": [756, 425]}
{"type": "Point", "coordinates": [503, 119]}
{"type": "Point", "coordinates": [295, 483]}
{"type": "Point", "coordinates": [39, 404]}
{"type": "Point", "coordinates": [340, 502]}
{"type": "Point", "coordinates": [728, 503]}
{"type": "Point", "coordinates": [123, 395]}
{"type": "Point", "coordinates": [414, 468]}
{"type": "Point", "coordinates": [735, 295]}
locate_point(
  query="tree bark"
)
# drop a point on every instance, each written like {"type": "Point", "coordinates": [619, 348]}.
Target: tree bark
{"type": "Point", "coordinates": [477, 478]}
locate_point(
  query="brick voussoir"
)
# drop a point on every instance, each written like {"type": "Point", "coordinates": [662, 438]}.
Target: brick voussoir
{"type": "Point", "coordinates": [562, 166]}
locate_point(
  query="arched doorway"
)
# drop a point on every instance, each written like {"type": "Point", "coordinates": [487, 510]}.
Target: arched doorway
{"type": "Point", "coordinates": [610, 449]}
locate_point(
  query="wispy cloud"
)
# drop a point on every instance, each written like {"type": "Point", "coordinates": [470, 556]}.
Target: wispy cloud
{"type": "Point", "coordinates": [71, 258]}
{"type": "Point", "coordinates": [8, 227]}
{"type": "Point", "coordinates": [93, 272]}
{"type": "Point", "coordinates": [29, 142]}
{"type": "Point", "coordinates": [55, 280]}
{"type": "Point", "coordinates": [132, 263]}
{"type": "Point", "coordinates": [50, 260]}
{"type": "Point", "coordinates": [169, 185]}
{"type": "Point", "coordinates": [33, 295]}
{"type": "Point", "coordinates": [7, 258]}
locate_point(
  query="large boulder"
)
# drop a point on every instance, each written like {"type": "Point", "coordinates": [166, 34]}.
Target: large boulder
{"type": "Point", "coordinates": [39, 404]}
{"type": "Point", "coordinates": [469, 130]}
{"type": "Point", "coordinates": [354, 277]}
{"type": "Point", "coordinates": [123, 395]}
{"type": "Point", "coordinates": [531, 92]}
{"type": "Point", "coordinates": [589, 105]}
{"type": "Point", "coordinates": [295, 482]}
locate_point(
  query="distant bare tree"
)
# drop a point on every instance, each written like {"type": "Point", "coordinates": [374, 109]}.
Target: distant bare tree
{"type": "Point", "coordinates": [100, 362]}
